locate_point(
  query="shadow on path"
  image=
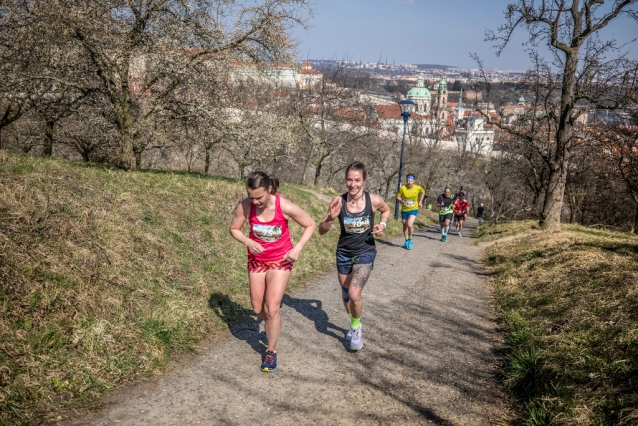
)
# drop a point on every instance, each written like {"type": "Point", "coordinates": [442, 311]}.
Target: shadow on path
{"type": "Point", "coordinates": [241, 323]}
{"type": "Point", "coordinates": [311, 309]}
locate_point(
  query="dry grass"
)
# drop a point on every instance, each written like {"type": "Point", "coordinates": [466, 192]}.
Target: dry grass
{"type": "Point", "coordinates": [491, 232]}
{"type": "Point", "coordinates": [106, 275]}
{"type": "Point", "coordinates": [568, 302]}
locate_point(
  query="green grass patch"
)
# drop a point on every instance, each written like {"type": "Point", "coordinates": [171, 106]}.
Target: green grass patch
{"type": "Point", "coordinates": [107, 275]}
{"type": "Point", "coordinates": [568, 304]}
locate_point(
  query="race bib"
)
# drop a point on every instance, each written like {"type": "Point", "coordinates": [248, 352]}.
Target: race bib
{"type": "Point", "coordinates": [356, 225]}
{"type": "Point", "coordinates": [459, 212]}
{"type": "Point", "coordinates": [268, 233]}
{"type": "Point", "coordinates": [447, 209]}
{"type": "Point", "coordinates": [410, 203]}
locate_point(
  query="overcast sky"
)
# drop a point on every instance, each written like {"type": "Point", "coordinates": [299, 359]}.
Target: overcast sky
{"type": "Point", "coordinates": [421, 31]}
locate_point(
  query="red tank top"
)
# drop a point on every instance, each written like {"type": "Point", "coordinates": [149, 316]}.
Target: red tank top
{"type": "Point", "coordinates": [460, 206]}
{"type": "Point", "coordinates": [273, 236]}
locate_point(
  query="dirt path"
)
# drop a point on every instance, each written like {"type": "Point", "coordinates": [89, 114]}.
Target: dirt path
{"type": "Point", "coordinates": [428, 357]}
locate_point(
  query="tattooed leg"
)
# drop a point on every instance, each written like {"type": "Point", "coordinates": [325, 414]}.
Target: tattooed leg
{"type": "Point", "coordinates": [360, 274]}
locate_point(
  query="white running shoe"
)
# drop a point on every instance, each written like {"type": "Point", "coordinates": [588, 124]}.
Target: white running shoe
{"type": "Point", "coordinates": [357, 339]}
{"type": "Point", "coordinates": [460, 235]}
{"type": "Point", "coordinates": [349, 335]}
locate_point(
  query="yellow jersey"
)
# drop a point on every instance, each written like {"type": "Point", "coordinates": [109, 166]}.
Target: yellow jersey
{"type": "Point", "coordinates": [410, 196]}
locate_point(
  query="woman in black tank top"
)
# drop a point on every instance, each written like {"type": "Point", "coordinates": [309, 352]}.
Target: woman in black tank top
{"type": "Point", "coordinates": [356, 248]}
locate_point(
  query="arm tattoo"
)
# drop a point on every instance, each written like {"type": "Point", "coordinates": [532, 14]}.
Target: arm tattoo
{"type": "Point", "coordinates": [360, 274]}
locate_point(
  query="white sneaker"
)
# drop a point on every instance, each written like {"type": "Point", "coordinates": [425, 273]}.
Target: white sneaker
{"type": "Point", "coordinates": [349, 335]}
{"type": "Point", "coordinates": [357, 339]}
{"type": "Point", "coordinates": [460, 235]}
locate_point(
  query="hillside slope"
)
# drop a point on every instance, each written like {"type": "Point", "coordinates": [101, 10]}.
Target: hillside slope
{"type": "Point", "coordinates": [106, 274]}
{"type": "Point", "coordinates": [568, 304]}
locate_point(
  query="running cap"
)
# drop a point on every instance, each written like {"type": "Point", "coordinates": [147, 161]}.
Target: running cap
{"type": "Point", "coordinates": [481, 204]}
{"type": "Point", "coordinates": [461, 193]}
{"type": "Point", "coordinates": [410, 176]}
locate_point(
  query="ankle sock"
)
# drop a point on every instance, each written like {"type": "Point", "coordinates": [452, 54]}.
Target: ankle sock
{"type": "Point", "coordinates": [355, 322]}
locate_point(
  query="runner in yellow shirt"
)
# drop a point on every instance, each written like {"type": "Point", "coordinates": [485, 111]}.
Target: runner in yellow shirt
{"type": "Point", "coordinates": [411, 198]}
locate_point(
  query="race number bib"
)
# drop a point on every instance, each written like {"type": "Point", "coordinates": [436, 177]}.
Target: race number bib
{"type": "Point", "coordinates": [356, 225]}
{"type": "Point", "coordinates": [268, 233]}
{"type": "Point", "coordinates": [410, 203]}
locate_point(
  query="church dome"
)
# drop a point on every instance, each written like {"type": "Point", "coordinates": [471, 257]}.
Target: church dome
{"type": "Point", "coordinates": [420, 91]}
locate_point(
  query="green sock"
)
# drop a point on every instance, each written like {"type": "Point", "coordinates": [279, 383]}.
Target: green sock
{"type": "Point", "coordinates": [406, 237]}
{"type": "Point", "coordinates": [350, 315]}
{"type": "Point", "coordinates": [355, 322]}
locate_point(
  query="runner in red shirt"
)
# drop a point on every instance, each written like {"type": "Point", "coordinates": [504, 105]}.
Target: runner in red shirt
{"type": "Point", "coordinates": [271, 254]}
{"type": "Point", "coordinates": [461, 209]}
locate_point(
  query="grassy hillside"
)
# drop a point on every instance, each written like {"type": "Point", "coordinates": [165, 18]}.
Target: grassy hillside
{"type": "Point", "coordinates": [105, 275]}
{"type": "Point", "coordinates": [568, 302]}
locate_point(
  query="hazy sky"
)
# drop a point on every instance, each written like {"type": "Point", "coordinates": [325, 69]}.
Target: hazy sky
{"type": "Point", "coordinates": [420, 31]}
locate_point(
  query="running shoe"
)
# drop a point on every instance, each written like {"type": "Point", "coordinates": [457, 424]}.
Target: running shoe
{"type": "Point", "coordinates": [349, 335]}
{"type": "Point", "coordinates": [444, 238]}
{"type": "Point", "coordinates": [405, 245]}
{"type": "Point", "coordinates": [409, 244]}
{"type": "Point", "coordinates": [357, 339]}
{"type": "Point", "coordinates": [270, 362]}
{"type": "Point", "coordinates": [460, 235]}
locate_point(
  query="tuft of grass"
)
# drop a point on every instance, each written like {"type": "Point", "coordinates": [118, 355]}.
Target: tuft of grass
{"type": "Point", "coordinates": [107, 275]}
{"type": "Point", "coordinates": [568, 302]}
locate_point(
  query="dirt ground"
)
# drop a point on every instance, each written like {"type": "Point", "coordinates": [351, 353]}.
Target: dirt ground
{"type": "Point", "coordinates": [429, 356]}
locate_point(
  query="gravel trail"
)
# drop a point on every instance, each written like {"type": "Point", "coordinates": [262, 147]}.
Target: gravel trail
{"type": "Point", "coordinates": [429, 354]}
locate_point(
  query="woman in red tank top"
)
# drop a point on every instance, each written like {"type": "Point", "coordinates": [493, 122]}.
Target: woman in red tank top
{"type": "Point", "coordinates": [270, 252]}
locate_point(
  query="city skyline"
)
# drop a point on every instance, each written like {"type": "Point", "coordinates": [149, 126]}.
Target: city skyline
{"type": "Point", "coordinates": [422, 32]}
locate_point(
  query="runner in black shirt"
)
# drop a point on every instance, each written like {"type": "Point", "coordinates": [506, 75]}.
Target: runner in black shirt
{"type": "Point", "coordinates": [356, 248]}
{"type": "Point", "coordinates": [445, 212]}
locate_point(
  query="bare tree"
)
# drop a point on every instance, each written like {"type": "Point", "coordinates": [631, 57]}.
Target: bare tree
{"type": "Point", "coordinates": [621, 143]}
{"type": "Point", "coordinates": [331, 114]}
{"type": "Point", "coordinates": [587, 78]}
{"type": "Point", "coordinates": [138, 53]}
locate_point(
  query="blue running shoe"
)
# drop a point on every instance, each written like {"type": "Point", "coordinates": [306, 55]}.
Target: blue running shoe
{"type": "Point", "coordinates": [444, 238]}
{"type": "Point", "coordinates": [405, 245]}
{"type": "Point", "coordinates": [270, 362]}
{"type": "Point", "coordinates": [409, 244]}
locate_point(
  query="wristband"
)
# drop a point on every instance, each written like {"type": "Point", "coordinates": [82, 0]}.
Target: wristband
{"type": "Point", "coordinates": [385, 225]}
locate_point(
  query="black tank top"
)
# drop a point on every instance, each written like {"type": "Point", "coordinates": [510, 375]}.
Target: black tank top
{"type": "Point", "coordinates": [356, 229]}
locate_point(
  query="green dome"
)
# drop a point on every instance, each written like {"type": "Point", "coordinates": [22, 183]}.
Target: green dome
{"type": "Point", "coordinates": [419, 92]}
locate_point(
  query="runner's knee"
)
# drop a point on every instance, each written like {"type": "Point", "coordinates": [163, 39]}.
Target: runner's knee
{"type": "Point", "coordinates": [271, 311]}
{"type": "Point", "coordinates": [355, 296]}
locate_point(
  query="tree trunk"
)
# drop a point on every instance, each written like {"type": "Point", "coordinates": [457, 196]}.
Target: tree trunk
{"type": "Point", "coordinates": [138, 159]}
{"type": "Point", "coordinates": [206, 160]}
{"type": "Point", "coordinates": [572, 208]}
{"type": "Point", "coordinates": [305, 166]}
{"type": "Point", "coordinates": [553, 205]}
{"type": "Point", "coordinates": [126, 151]}
{"type": "Point", "coordinates": [318, 173]}
{"type": "Point", "coordinates": [635, 230]}
{"type": "Point", "coordinates": [47, 148]}
{"type": "Point", "coordinates": [0, 138]}
{"type": "Point", "coordinates": [85, 155]}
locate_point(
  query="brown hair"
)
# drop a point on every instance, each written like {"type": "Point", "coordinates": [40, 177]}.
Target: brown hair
{"type": "Point", "coordinates": [357, 167]}
{"type": "Point", "coordinates": [258, 179]}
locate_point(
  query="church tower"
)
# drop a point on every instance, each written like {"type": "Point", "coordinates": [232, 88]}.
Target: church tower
{"type": "Point", "coordinates": [441, 102]}
{"type": "Point", "coordinates": [459, 108]}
